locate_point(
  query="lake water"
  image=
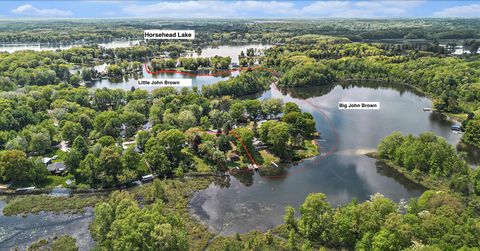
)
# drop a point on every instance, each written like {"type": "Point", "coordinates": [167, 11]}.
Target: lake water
{"type": "Point", "coordinates": [21, 231]}
{"type": "Point", "coordinates": [251, 201]}
{"type": "Point", "coordinates": [227, 50]}
{"type": "Point", "coordinates": [129, 82]}
{"type": "Point", "coordinates": [50, 47]}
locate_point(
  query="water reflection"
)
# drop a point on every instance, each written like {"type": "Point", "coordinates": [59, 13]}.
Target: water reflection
{"type": "Point", "coordinates": [387, 171]}
{"type": "Point", "coordinates": [51, 47]}
{"type": "Point", "coordinates": [470, 153]}
{"type": "Point", "coordinates": [199, 78]}
{"type": "Point", "coordinates": [231, 51]}
{"type": "Point", "coordinates": [21, 231]}
{"type": "Point", "coordinates": [256, 202]}
{"type": "Point", "coordinates": [131, 81]}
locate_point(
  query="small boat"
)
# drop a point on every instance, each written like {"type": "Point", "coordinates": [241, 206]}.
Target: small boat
{"type": "Point", "coordinates": [25, 189]}
{"type": "Point", "coordinates": [456, 127]}
{"type": "Point", "coordinates": [147, 178]}
{"type": "Point", "coordinates": [273, 163]}
{"type": "Point", "coordinates": [427, 109]}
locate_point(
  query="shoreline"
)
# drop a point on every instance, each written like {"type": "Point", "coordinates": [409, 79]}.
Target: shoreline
{"type": "Point", "coordinates": [448, 116]}
{"type": "Point", "coordinates": [428, 184]}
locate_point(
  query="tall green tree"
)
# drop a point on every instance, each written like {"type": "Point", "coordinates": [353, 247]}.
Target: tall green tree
{"type": "Point", "coordinates": [71, 130]}
{"type": "Point", "coordinates": [315, 218]}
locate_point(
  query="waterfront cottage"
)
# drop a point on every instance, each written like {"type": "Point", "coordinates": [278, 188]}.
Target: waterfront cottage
{"type": "Point", "coordinates": [56, 168]}
{"type": "Point", "coordinates": [46, 160]}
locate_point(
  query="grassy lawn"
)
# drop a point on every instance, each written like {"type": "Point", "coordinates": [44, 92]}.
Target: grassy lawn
{"type": "Point", "coordinates": [38, 203]}
{"type": "Point", "coordinates": [234, 164]}
{"type": "Point", "coordinates": [56, 180]}
{"type": "Point", "coordinates": [61, 155]}
{"type": "Point", "coordinates": [457, 116]}
{"type": "Point", "coordinates": [268, 157]}
{"type": "Point", "coordinates": [310, 150]}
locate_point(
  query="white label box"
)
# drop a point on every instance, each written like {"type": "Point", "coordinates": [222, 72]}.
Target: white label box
{"type": "Point", "coordinates": [165, 82]}
{"type": "Point", "coordinates": [168, 34]}
{"type": "Point", "coordinates": [358, 105]}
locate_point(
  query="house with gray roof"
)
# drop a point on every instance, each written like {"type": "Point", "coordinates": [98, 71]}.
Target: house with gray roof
{"type": "Point", "coordinates": [56, 168]}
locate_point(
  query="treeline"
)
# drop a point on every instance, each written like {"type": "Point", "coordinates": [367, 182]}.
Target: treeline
{"type": "Point", "coordinates": [248, 82]}
{"type": "Point", "coordinates": [24, 68]}
{"type": "Point", "coordinates": [431, 156]}
{"type": "Point", "coordinates": [291, 131]}
{"type": "Point", "coordinates": [161, 64]}
{"type": "Point", "coordinates": [67, 32]}
{"type": "Point", "coordinates": [122, 224]}
{"type": "Point", "coordinates": [381, 224]}
{"type": "Point", "coordinates": [191, 64]}
{"type": "Point", "coordinates": [248, 58]}
{"type": "Point", "coordinates": [449, 79]}
{"type": "Point", "coordinates": [17, 168]}
{"type": "Point", "coordinates": [319, 60]}
{"type": "Point", "coordinates": [434, 221]}
{"type": "Point", "coordinates": [114, 70]}
{"type": "Point", "coordinates": [312, 74]}
{"type": "Point", "coordinates": [32, 68]}
{"type": "Point", "coordinates": [214, 32]}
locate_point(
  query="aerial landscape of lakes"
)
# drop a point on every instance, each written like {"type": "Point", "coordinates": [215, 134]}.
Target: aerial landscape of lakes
{"type": "Point", "coordinates": [255, 201]}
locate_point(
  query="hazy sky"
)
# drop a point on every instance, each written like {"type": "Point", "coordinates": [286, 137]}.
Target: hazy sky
{"type": "Point", "coordinates": [238, 9]}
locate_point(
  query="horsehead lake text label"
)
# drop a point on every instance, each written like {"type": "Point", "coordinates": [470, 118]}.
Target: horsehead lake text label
{"type": "Point", "coordinates": [168, 34]}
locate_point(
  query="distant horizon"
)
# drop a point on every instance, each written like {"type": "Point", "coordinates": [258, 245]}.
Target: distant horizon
{"type": "Point", "coordinates": [167, 10]}
{"type": "Point", "coordinates": [230, 19]}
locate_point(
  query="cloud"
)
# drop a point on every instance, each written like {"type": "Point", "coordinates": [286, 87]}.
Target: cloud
{"type": "Point", "coordinates": [322, 8]}
{"type": "Point", "coordinates": [210, 9]}
{"type": "Point", "coordinates": [31, 11]}
{"type": "Point", "coordinates": [108, 1]}
{"type": "Point", "coordinates": [184, 9]}
{"type": "Point", "coordinates": [278, 8]}
{"type": "Point", "coordinates": [235, 9]}
{"type": "Point", "coordinates": [472, 10]}
{"type": "Point", "coordinates": [273, 7]}
{"type": "Point", "coordinates": [360, 9]}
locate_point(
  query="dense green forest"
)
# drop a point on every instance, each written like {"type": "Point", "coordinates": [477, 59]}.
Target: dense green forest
{"type": "Point", "coordinates": [431, 158]}
{"type": "Point", "coordinates": [191, 64]}
{"type": "Point", "coordinates": [94, 123]}
{"type": "Point", "coordinates": [214, 32]}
